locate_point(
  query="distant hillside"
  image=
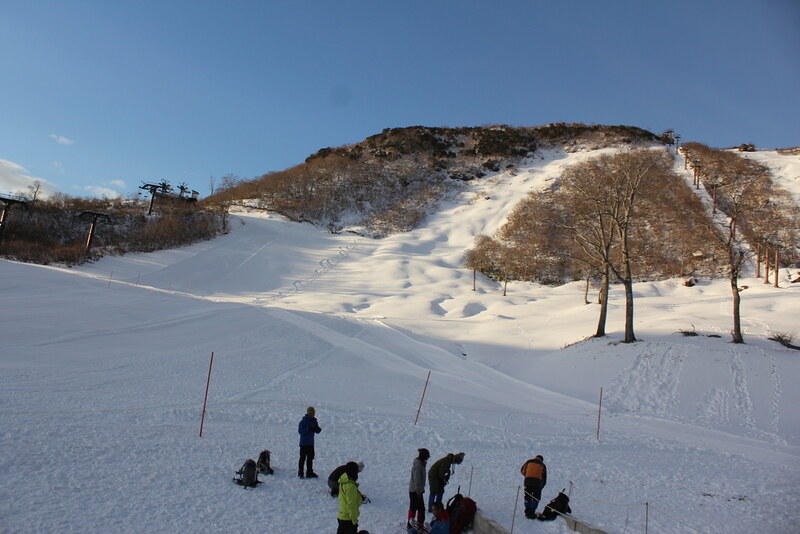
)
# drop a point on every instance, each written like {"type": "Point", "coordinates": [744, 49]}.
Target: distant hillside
{"type": "Point", "coordinates": [58, 229]}
{"type": "Point", "coordinates": [390, 181]}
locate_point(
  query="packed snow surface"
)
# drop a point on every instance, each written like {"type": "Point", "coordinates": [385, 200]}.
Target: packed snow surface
{"type": "Point", "coordinates": [103, 370]}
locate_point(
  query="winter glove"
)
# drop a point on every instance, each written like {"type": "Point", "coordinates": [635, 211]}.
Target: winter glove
{"type": "Point", "coordinates": [317, 430]}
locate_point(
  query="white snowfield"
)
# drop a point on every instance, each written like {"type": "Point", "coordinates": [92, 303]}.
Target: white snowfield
{"type": "Point", "coordinates": [103, 370]}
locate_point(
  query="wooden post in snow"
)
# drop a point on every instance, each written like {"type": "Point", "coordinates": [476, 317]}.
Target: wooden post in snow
{"type": "Point", "coordinates": [766, 265]}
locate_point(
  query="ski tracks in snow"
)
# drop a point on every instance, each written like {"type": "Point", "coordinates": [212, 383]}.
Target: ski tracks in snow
{"type": "Point", "coordinates": [300, 284]}
{"type": "Point", "coordinates": [650, 385]}
{"type": "Point", "coordinates": [743, 402]}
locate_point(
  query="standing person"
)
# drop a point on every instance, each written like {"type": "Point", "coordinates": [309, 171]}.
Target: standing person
{"type": "Point", "coordinates": [416, 488]}
{"type": "Point", "coordinates": [307, 428]}
{"type": "Point", "coordinates": [535, 473]}
{"type": "Point", "coordinates": [333, 478]}
{"type": "Point", "coordinates": [349, 500]}
{"type": "Point", "coordinates": [439, 476]}
{"type": "Point", "coordinates": [441, 519]}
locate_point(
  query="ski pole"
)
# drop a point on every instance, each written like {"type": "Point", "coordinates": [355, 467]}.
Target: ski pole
{"type": "Point", "coordinates": [205, 399]}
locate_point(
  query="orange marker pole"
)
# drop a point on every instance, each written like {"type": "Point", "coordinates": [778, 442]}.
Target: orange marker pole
{"type": "Point", "coordinates": [423, 397]}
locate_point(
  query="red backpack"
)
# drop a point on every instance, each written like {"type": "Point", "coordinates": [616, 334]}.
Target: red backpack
{"type": "Point", "coordinates": [462, 513]}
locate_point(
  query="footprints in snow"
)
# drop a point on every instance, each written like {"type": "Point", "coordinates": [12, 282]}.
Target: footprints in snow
{"type": "Point", "coordinates": [651, 384]}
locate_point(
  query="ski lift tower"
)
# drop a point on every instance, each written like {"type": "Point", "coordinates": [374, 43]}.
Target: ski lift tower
{"type": "Point", "coordinates": [8, 202]}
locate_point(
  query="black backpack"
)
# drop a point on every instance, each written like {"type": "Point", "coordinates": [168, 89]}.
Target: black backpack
{"type": "Point", "coordinates": [556, 507]}
{"type": "Point", "coordinates": [262, 464]}
{"type": "Point", "coordinates": [454, 506]}
{"type": "Point", "coordinates": [248, 475]}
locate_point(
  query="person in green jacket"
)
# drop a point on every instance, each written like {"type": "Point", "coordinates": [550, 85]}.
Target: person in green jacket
{"type": "Point", "coordinates": [349, 500]}
{"type": "Point", "coordinates": [439, 476]}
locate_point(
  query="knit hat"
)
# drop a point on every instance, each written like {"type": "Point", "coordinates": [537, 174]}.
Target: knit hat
{"type": "Point", "coordinates": [351, 468]}
{"type": "Point", "coordinates": [539, 457]}
{"type": "Point", "coordinates": [458, 458]}
{"type": "Point", "coordinates": [310, 410]}
{"type": "Point", "coordinates": [424, 454]}
{"type": "Point", "coordinates": [360, 466]}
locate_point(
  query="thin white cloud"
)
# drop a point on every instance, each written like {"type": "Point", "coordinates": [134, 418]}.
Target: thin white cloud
{"type": "Point", "coordinates": [117, 183]}
{"type": "Point", "coordinates": [58, 166]}
{"type": "Point", "coordinates": [15, 179]}
{"type": "Point", "coordinates": [100, 191]}
{"type": "Point", "coordinates": [61, 140]}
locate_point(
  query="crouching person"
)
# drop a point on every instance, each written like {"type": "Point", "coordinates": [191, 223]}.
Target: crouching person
{"type": "Point", "coordinates": [535, 473]}
{"type": "Point", "coordinates": [349, 500]}
{"type": "Point", "coordinates": [441, 520]}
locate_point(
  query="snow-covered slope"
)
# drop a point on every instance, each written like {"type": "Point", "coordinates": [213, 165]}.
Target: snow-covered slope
{"type": "Point", "coordinates": [785, 169]}
{"type": "Point", "coordinates": [103, 369]}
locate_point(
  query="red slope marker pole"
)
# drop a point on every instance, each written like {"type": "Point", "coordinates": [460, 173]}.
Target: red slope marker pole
{"type": "Point", "coordinates": [423, 397]}
{"type": "Point", "coordinates": [599, 410]}
{"type": "Point", "coordinates": [205, 400]}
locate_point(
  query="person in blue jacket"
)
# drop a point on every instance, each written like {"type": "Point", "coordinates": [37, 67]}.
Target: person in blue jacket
{"type": "Point", "coordinates": [441, 520]}
{"type": "Point", "coordinates": [307, 428]}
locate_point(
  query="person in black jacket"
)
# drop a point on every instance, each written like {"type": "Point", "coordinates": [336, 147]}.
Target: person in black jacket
{"type": "Point", "coordinates": [439, 475]}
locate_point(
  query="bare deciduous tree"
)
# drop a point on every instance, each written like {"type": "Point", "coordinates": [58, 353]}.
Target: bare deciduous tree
{"type": "Point", "coordinates": [601, 196]}
{"type": "Point", "coordinates": [34, 190]}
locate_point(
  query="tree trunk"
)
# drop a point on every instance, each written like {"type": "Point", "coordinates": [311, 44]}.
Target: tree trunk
{"type": "Point", "coordinates": [737, 323]}
{"type": "Point", "coordinates": [629, 335]}
{"type": "Point", "coordinates": [766, 265]}
{"type": "Point", "coordinates": [628, 283]}
{"type": "Point", "coordinates": [474, 278]}
{"type": "Point", "coordinates": [758, 260]}
{"type": "Point", "coordinates": [776, 266]}
{"type": "Point", "coordinates": [586, 290]}
{"type": "Point", "coordinates": [505, 285]}
{"type": "Point", "coordinates": [601, 323]}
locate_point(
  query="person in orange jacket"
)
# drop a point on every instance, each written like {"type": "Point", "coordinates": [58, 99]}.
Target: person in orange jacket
{"type": "Point", "coordinates": [535, 473]}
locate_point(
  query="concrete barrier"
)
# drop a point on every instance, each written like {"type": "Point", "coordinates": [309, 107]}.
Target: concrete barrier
{"type": "Point", "coordinates": [577, 525]}
{"type": "Point", "coordinates": [484, 525]}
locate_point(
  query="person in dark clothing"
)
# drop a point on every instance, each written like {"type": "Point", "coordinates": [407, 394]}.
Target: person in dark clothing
{"type": "Point", "coordinates": [333, 478]}
{"type": "Point", "coordinates": [416, 488]}
{"type": "Point", "coordinates": [535, 473]}
{"type": "Point", "coordinates": [307, 428]}
{"type": "Point", "coordinates": [439, 476]}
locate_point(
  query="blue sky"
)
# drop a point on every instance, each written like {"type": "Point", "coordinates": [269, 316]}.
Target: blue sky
{"type": "Point", "coordinates": [98, 96]}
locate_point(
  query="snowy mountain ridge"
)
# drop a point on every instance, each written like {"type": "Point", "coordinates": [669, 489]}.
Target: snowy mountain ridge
{"type": "Point", "coordinates": [104, 367]}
